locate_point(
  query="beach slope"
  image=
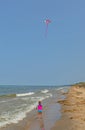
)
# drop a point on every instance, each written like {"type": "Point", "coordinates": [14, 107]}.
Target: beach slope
{"type": "Point", "coordinates": [73, 110]}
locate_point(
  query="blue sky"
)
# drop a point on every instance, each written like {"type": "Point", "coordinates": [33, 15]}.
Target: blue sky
{"type": "Point", "coordinates": [27, 56]}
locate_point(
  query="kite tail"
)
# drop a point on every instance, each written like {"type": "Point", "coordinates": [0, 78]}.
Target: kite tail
{"type": "Point", "coordinates": [46, 31]}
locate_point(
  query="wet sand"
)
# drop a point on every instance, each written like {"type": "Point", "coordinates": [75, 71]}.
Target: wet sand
{"type": "Point", "coordinates": [73, 110]}
{"type": "Point", "coordinates": [50, 115]}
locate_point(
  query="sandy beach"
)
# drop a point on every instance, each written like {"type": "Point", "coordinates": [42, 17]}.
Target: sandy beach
{"type": "Point", "coordinates": [66, 112]}
{"type": "Point", "coordinates": [73, 110]}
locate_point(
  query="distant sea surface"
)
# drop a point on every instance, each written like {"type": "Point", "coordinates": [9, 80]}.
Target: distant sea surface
{"type": "Point", "coordinates": [16, 100]}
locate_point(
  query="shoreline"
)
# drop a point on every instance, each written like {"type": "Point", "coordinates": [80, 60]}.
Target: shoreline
{"type": "Point", "coordinates": [51, 113]}
{"type": "Point", "coordinates": [63, 111]}
{"type": "Point", "coordinates": [73, 110]}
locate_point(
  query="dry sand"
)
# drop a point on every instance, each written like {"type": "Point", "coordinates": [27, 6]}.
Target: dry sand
{"type": "Point", "coordinates": [73, 110]}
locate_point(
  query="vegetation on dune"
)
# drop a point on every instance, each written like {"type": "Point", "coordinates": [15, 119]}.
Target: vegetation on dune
{"type": "Point", "coordinates": [80, 84]}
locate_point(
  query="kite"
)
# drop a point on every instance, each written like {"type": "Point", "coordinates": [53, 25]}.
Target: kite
{"type": "Point", "coordinates": [47, 21]}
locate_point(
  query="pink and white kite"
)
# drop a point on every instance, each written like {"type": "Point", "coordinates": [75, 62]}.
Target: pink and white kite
{"type": "Point", "coordinates": [47, 21]}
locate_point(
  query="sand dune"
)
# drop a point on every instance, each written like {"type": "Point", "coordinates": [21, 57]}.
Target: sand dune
{"type": "Point", "coordinates": [73, 110]}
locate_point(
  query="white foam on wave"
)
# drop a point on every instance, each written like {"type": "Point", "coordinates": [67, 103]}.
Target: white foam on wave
{"type": "Point", "coordinates": [2, 101]}
{"type": "Point", "coordinates": [8, 100]}
{"type": "Point", "coordinates": [45, 91]}
{"type": "Point", "coordinates": [24, 94]}
{"type": "Point", "coordinates": [59, 88]}
{"type": "Point", "coordinates": [62, 89]}
{"type": "Point", "coordinates": [11, 119]}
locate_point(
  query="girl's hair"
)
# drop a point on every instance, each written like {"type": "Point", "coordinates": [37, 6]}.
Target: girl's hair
{"type": "Point", "coordinates": [39, 102]}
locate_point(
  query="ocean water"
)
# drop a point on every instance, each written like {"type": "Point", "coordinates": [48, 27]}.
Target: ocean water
{"type": "Point", "coordinates": [16, 101]}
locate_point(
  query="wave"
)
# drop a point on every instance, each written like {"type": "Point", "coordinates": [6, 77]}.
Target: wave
{"type": "Point", "coordinates": [8, 95]}
{"type": "Point", "coordinates": [44, 91]}
{"type": "Point", "coordinates": [18, 114]}
{"type": "Point", "coordinates": [63, 89]}
{"type": "Point", "coordinates": [24, 94]}
{"type": "Point", "coordinates": [16, 95]}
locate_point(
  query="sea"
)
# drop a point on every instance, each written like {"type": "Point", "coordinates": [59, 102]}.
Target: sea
{"type": "Point", "coordinates": [18, 100]}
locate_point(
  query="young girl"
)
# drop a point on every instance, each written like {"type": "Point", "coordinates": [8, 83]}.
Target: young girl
{"type": "Point", "coordinates": [39, 108]}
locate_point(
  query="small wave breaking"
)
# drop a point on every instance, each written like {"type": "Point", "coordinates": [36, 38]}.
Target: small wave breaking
{"type": "Point", "coordinates": [45, 91]}
{"type": "Point", "coordinates": [24, 94]}
{"type": "Point", "coordinates": [16, 95]}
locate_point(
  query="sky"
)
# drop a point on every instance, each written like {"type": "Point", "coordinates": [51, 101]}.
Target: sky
{"type": "Point", "coordinates": [27, 57]}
